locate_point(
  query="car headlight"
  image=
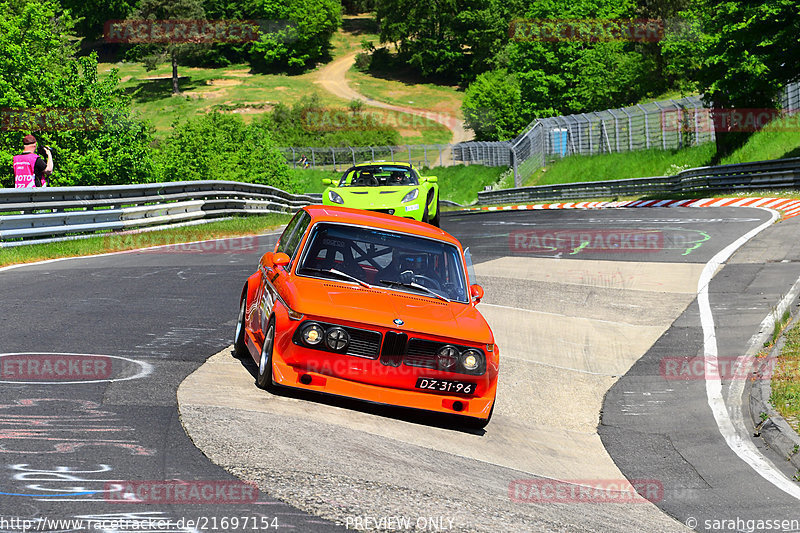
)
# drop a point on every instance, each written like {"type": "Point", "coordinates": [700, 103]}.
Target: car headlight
{"type": "Point", "coordinates": [337, 339]}
{"type": "Point", "coordinates": [312, 334]}
{"type": "Point", "coordinates": [411, 195]}
{"type": "Point", "coordinates": [471, 359]}
{"type": "Point", "coordinates": [335, 198]}
{"type": "Point", "coordinates": [447, 357]}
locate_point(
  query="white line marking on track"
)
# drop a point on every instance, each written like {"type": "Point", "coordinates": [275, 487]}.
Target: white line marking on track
{"type": "Point", "coordinates": [145, 370]}
{"type": "Point", "coordinates": [556, 314]}
{"type": "Point", "coordinates": [607, 374]}
{"type": "Point", "coordinates": [739, 444]}
{"type": "Point", "coordinates": [134, 250]}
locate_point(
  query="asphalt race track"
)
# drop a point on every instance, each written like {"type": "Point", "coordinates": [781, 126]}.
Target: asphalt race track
{"type": "Point", "coordinates": [574, 317]}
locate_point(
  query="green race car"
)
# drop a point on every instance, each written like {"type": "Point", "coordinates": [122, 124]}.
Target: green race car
{"type": "Point", "coordinates": [393, 188]}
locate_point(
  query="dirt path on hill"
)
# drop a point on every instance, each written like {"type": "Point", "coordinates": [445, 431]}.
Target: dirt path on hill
{"type": "Point", "coordinates": [333, 78]}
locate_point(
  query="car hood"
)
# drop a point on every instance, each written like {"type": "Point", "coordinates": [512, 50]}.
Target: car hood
{"type": "Point", "coordinates": [380, 307]}
{"type": "Point", "coordinates": [374, 197]}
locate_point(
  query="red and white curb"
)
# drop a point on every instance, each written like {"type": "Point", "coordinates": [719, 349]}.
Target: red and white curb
{"type": "Point", "coordinates": [788, 207]}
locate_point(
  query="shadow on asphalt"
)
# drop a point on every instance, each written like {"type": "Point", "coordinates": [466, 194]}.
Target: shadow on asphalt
{"type": "Point", "coordinates": [414, 416]}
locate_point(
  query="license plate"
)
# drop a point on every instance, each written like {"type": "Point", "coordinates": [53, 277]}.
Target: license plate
{"type": "Point", "coordinates": [446, 385]}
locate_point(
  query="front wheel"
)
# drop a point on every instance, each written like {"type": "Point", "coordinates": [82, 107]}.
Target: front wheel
{"type": "Point", "coordinates": [478, 423]}
{"type": "Point", "coordinates": [264, 378]}
{"type": "Point", "coordinates": [435, 220]}
{"type": "Point", "coordinates": [239, 344]}
{"type": "Point", "coordinates": [426, 213]}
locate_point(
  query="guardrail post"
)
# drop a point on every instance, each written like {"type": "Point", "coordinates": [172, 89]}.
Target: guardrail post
{"type": "Point", "coordinates": [440, 154]}
{"type": "Point", "coordinates": [294, 159]}
{"type": "Point", "coordinates": [409, 153]}
{"type": "Point", "coordinates": [425, 152]}
{"type": "Point", "coordinates": [646, 127]}
{"type": "Point", "coordinates": [333, 152]}
{"type": "Point", "coordinates": [354, 154]}
{"type": "Point", "coordinates": [679, 110]}
{"type": "Point", "coordinates": [313, 160]}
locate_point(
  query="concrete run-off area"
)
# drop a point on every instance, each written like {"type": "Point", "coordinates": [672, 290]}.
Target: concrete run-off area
{"type": "Point", "coordinates": [567, 329]}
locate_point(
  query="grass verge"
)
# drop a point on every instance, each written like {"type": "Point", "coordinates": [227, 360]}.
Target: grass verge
{"type": "Point", "coordinates": [786, 379]}
{"type": "Point", "coordinates": [116, 242]}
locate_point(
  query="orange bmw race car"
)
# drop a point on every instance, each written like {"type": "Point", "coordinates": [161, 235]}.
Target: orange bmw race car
{"type": "Point", "coordinates": [373, 307]}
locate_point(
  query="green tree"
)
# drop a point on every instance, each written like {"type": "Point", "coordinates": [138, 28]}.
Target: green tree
{"type": "Point", "coordinates": [746, 54]}
{"type": "Point", "coordinates": [222, 147]}
{"type": "Point", "coordinates": [92, 15]}
{"type": "Point", "coordinates": [577, 75]}
{"type": "Point", "coordinates": [46, 91]}
{"type": "Point", "coordinates": [455, 39]}
{"type": "Point", "coordinates": [153, 54]}
{"type": "Point", "coordinates": [493, 106]}
{"type": "Point", "coordinates": [297, 32]}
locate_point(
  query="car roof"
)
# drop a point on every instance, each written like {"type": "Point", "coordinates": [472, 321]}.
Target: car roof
{"type": "Point", "coordinates": [383, 164]}
{"type": "Point", "coordinates": [329, 213]}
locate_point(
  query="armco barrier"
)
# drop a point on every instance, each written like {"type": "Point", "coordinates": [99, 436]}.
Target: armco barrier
{"type": "Point", "coordinates": [761, 175]}
{"type": "Point", "coordinates": [29, 216]}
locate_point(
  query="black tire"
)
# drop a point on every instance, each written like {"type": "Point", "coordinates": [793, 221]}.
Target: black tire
{"type": "Point", "coordinates": [264, 378]}
{"type": "Point", "coordinates": [435, 220]}
{"type": "Point", "coordinates": [478, 423]}
{"type": "Point", "coordinates": [239, 345]}
{"type": "Point", "coordinates": [426, 215]}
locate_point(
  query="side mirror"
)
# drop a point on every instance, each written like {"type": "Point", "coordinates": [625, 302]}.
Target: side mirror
{"type": "Point", "coordinates": [476, 291]}
{"type": "Point", "coordinates": [281, 260]}
{"type": "Point", "coordinates": [431, 179]}
{"type": "Point", "coordinates": [327, 181]}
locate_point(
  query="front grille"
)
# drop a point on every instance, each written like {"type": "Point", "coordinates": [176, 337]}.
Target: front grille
{"type": "Point", "coordinates": [422, 353]}
{"type": "Point", "coordinates": [363, 343]}
{"type": "Point", "coordinates": [394, 345]}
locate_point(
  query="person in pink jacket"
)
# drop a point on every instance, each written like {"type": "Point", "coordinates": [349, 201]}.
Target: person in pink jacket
{"type": "Point", "coordinates": [29, 169]}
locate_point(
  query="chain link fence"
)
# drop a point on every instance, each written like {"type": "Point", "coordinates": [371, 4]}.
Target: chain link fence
{"type": "Point", "coordinates": [340, 158]}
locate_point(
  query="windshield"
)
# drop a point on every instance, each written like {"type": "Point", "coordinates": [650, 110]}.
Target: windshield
{"type": "Point", "coordinates": [379, 176]}
{"type": "Point", "coordinates": [385, 259]}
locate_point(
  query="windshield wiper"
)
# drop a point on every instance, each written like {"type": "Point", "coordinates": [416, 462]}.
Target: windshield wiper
{"type": "Point", "coordinates": [340, 274]}
{"type": "Point", "coordinates": [414, 286]}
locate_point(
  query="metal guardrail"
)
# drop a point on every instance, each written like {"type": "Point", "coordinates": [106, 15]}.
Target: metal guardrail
{"type": "Point", "coordinates": [777, 174]}
{"type": "Point", "coordinates": [29, 216]}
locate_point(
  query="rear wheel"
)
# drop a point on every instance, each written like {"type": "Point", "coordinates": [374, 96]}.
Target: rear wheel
{"type": "Point", "coordinates": [239, 344]}
{"type": "Point", "coordinates": [264, 378]}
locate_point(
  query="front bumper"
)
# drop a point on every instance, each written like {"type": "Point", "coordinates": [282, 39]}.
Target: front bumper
{"type": "Point", "coordinates": [472, 406]}
{"type": "Point", "coordinates": [369, 379]}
